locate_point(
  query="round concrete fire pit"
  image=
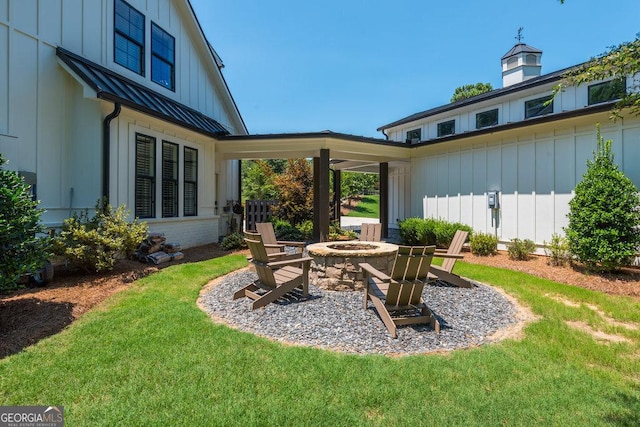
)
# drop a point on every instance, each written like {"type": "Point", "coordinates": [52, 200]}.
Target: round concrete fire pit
{"type": "Point", "coordinates": [336, 265]}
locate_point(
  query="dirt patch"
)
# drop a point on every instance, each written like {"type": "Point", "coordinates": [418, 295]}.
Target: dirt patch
{"type": "Point", "coordinates": [597, 335]}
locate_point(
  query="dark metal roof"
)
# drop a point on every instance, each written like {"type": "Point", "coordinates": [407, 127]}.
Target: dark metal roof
{"type": "Point", "coordinates": [520, 48]}
{"type": "Point", "coordinates": [527, 84]}
{"type": "Point", "coordinates": [114, 87]}
{"type": "Point", "coordinates": [311, 135]}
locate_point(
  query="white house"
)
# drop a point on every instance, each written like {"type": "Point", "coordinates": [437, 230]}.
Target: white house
{"type": "Point", "coordinates": [118, 98]}
{"type": "Point", "coordinates": [512, 142]}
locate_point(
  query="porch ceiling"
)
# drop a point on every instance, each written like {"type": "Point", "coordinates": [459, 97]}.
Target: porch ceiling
{"type": "Point", "coordinates": [359, 153]}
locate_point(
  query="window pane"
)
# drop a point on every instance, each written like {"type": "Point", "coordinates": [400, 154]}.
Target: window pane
{"type": "Point", "coordinates": [414, 135]}
{"type": "Point", "coordinates": [161, 72]}
{"type": "Point", "coordinates": [169, 179]}
{"type": "Point", "coordinates": [607, 91]}
{"type": "Point", "coordinates": [447, 128]}
{"type": "Point", "coordinates": [487, 118]}
{"type": "Point", "coordinates": [190, 182]}
{"type": "Point", "coordinates": [537, 107]}
{"type": "Point", "coordinates": [129, 37]}
{"type": "Point", "coordinates": [162, 58]}
{"type": "Point", "coordinates": [145, 176]}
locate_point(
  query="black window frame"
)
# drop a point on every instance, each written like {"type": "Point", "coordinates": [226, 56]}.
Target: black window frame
{"type": "Point", "coordinates": [410, 135]}
{"type": "Point", "coordinates": [156, 55]}
{"type": "Point", "coordinates": [170, 180]}
{"type": "Point", "coordinates": [536, 107]}
{"type": "Point", "coordinates": [127, 36]}
{"type": "Point", "coordinates": [145, 208]}
{"type": "Point", "coordinates": [493, 122]}
{"type": "Point", "coordinates": [442, 131]}
{"type": "Point", "coordinates": [190, 183]}
{"type": "Point", "coordinates": [600, 87]}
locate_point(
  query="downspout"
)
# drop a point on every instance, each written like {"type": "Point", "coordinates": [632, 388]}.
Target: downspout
{"type": "Point", "coordinates": [106, 150]}
{"type": "Point", "coordinates": [385, 134]}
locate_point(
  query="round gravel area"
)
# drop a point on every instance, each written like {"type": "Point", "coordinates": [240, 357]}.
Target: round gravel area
{"type": "Point", "coordinates": [336, 321]}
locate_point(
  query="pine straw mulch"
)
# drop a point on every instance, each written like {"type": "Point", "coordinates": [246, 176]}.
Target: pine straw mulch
{"type": "Point", "coordinates": [29, 315]}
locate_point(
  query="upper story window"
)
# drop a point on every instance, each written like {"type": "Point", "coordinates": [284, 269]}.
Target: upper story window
{"type": "Point", "coordinates": [414, 135]}
{"type": "Point", "coordinates": [162, 57]}
{"type": "Point", "coordinates": [487, 118]}
{"type": "Point", "coordinates": [530, 59]}
{"type": "Point", "coordinates": [447, 128]}
{"type": "Point", "coordinates": [128, 37]}
{"type": "Point", "coordinates": [538, 107]}
{"type": "Point", "coordinates": [607, 91]}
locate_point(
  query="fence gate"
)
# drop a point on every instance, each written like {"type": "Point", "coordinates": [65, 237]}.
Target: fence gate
{"type": "Point", "coordinates": [257, 211]}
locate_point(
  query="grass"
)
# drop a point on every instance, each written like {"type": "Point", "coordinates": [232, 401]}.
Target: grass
{"type": "Point", "coordinates": [151, 357]}
{"type": "Point", "coordinates": [367, 207]}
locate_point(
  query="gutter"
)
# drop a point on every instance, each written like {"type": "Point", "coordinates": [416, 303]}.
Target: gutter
{"type": "Point", "coordinates": [106, 150]}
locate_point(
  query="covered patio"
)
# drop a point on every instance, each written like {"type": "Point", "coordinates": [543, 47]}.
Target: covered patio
{"type": "Point", "coordinates": [330, 151]}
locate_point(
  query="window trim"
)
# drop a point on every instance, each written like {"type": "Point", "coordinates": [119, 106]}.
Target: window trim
{"type": "Point", "coordinates": [170, 181]}
{"type": "Point", "coordinates": [603, 84]}
{"type": "Point", "coordinates": [154, 54]}
{"type": "Point", "coordinates": [446, 122]}
{"type": "Point", "coordinates": [186, 181]}
{"type": "Point", "coordinates": [497, 112]}
{"type": "Point", "coordinates": [152, 178]}
{"type": "Point", "coordinates": [117, 32]}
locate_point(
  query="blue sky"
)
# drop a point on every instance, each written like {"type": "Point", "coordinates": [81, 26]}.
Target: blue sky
{"type": "Point", "coordinates": [352, 66]}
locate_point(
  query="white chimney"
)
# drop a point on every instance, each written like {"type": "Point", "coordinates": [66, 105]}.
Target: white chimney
{"type": "Point", "coordinates": [521, 63]}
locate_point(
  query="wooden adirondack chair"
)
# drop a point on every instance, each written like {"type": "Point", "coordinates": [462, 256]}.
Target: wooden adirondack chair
{"type": "Point", "coordinates": [398, 297]}
{"type": "Point", "coordinates": [371, 232]}
{"type": "Point", "coordinates": [450, 256]}
{"type": "Point", "coordinates": [274, 247]}
{"type": "Point", "coordinates": [275, 278]}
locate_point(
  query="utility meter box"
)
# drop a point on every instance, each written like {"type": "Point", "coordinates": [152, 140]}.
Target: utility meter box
{"type": "Point", "coordinates": [492, 200]}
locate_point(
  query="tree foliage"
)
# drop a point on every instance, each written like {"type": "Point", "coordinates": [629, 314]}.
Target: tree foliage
{"type": "Point", "coordinates": [258, 180]}
{"type": "Point", "coordinates": [604, 214]}
{"type": "Point", "coordinates": [471, 90]}
{"type": "Point", "coordinates": [617, 63]}
{"type": "Point", "coordinates": [353, 184]}
{"type": "Point", "coordinates": [21, 250]}
{"type": "Point", "coordinates": [295, 192]}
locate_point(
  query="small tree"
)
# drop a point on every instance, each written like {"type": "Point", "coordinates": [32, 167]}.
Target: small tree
{"type": "Point", "coordinates": [468, 91]}
{"type": "Point", "coordinates": [604, 215]}
{"type": "Point", "coordinates": [21, 251]}
{"type": "Point", "coordinates": [295, 192]}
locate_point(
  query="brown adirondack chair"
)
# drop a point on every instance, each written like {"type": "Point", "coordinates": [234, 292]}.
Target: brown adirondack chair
{"type": "Point", "coordinates": [371, 232]}
{"type": "Point", "coordinates": [398, 297]}
{"type": "Point", "coordinates": [274, 247]}
{"type": "Point", "coordinates": [450, 256]}
{"type": "Point", "coordinates": [275, 278]}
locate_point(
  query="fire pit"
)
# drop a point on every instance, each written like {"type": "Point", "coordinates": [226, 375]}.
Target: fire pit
{"type": "Point", "coordinates": [336, 265]}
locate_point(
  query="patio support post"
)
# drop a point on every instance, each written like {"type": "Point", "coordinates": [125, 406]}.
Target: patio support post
{"type": "Point", "coordinates": [321, 196]}
{"type": "Point", "coordinates": [384, 199]}
{"type": "Point", "coordinates": [337, 194]}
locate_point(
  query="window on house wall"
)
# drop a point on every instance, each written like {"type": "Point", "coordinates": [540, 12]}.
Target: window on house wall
{"type": "Point", "coordinates": [414, 135]}
{"type": "Point", "coordinates": [145, 183]}
{"type": "Point", "coordinates": [487, 118]}
{"type": "Point", "coordinates": [538, 107]}
{"type": "Point", "coordinates": [447, 128]}
{"type": "Point", "coordinates": [607, 91]}
{"type": "Point", "coordinates": [128, 37]}
{"type": "Point", "coordinates": [190, 181]}
{"type": "Point", "coordinates": [169, 179]}
{"type": "Point", "coordinates": [162, 57]}
{"type": "Point", "coordinates": [530, 59]}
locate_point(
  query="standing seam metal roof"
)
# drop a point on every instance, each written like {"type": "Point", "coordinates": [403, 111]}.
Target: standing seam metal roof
{"type": "Point", "coordinates": [114, 87]}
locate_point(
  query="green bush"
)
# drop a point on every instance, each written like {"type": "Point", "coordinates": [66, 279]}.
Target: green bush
{"type": "Point", "coordinates": [306, 229]}
{"type": "Point", "coordinates": [417, 231]}
{"type": "Point", "coordinates": [233, 241]}
{"type": "Point", "coordinates": [604, 219]}
{"type": "Point", "coordinates": [96, 244]}
{"type": "Point", "coordinates": [444, 231]}
{"type": "Point", "coordinates": [21, 250]}
{"type": "Point", "coordinates": [483, 244]}
{"type": "Point", "coordinates": [520, 249]}
{"type": "Point", "coordinates": [285, 231]}
{"type": "Point", "coordinates": [557, 250]}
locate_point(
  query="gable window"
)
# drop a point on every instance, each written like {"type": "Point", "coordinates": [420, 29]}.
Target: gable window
{"type": "Point", "coordinates": [487, 118]}
{"type": "Point", "coordinates": [538, 107]}
{"type": "Point", "coordinates": [169, 179]}
{"type": "Point", "coordinates": [190, 181]}
{"type": "Point", "coordinates": [414, 135]}
{"type": "Point", "coordinates": [162, 57]}
{"type": "Point", "coordinates": [607, 91]}
{"type": "Point", "coordinates": [447, 128]}
{"type": "Point", "coordinates": [128, 48]}
{"type": "Point", "coordinates": [145, 191]}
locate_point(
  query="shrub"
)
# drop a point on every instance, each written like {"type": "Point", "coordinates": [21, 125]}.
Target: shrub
{"type": "Point", "coordinates": [416, 231]}
{"type": "Point", "coordinates": [96, 244]}
{"type": "Point", "coordinates": [520, 249]}
{"type": "Point", "coordinates": [557, 250]}
{"type": "Point", "coordinates": [306, 229]}
{"type": "Point", "coordinates": [337, 233]}
{"type": "Point", "coordinates": [604, 217]}
{"type": "Point", "coordinates": [233, 241]}
{"type": "Point", "coordinates": [444, 231]}
{"type": "Point", "coordinates": [285, 231]}
{"type": "Point", "coordinates": [483, 244]}
{"type": "Point", "coordinates": [21, 250]}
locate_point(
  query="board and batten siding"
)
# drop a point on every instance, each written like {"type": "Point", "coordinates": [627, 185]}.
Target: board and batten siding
{"type": "Point", "coordinates": [534, 173]}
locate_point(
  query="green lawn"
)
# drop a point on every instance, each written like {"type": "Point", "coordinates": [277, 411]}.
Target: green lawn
{"type": "Point", "coordinates": [367, 207]}
{"type": "Point", "coordinates": [149, 356]}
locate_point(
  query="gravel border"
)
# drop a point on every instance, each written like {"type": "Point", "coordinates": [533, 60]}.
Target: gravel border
{"type": "Point", "coordinates": [335, 321]}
